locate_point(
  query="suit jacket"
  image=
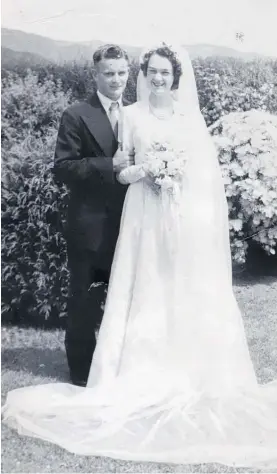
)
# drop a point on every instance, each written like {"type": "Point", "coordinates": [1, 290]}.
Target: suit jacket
{"type": "Point", "coordinates": [83, 161]}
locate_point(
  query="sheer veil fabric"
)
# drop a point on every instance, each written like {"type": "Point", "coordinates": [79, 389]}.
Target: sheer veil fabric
{"type": "Point", "coordinates": [172, 378]}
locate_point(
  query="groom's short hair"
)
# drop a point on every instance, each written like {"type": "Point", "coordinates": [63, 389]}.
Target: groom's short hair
{"type": "Point", "coordinates": [109, 51]}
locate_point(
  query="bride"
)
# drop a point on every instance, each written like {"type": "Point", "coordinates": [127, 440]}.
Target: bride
{"type": "Point", "coordinates": [171, 379]}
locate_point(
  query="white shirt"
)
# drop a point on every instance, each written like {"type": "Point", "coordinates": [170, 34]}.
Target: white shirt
{"type": "Point", "coordinates": [106, 102]}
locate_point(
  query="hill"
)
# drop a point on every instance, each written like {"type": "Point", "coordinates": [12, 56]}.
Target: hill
{"type": "Point", "coordinates": [60, 51]}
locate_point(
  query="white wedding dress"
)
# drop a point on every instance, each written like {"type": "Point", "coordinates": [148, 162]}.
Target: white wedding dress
{"type": "Point", "coordinates": [171, 379]}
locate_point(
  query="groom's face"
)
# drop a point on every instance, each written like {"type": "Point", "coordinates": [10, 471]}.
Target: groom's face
{"type": "Point", "coordinates": [111, 76]}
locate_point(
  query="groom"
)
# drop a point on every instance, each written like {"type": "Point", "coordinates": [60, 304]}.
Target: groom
{"type": "Point", "coordinates": [86, 144]}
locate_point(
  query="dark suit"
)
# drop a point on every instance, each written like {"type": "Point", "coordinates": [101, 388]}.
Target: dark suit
{"type": "Point", "coordinates": [83, 161]}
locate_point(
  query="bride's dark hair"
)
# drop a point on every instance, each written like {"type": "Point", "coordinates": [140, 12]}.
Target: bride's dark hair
{"type": "Point", "coordinates": [165, 52]}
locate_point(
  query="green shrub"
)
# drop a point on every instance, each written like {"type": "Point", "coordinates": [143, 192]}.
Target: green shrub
{"type": "Point", "coordinates": [29, 107]}
{"type": "Point", "coordinates": [71, 77]}
{"type": "Point", "coordinates": [247, 144]}
{"type": "Point", "coordinates": [34, 274]}
{"type": "Point", "coordinates": [232, 85]}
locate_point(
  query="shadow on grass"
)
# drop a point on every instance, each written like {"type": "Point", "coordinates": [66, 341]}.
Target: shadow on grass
{"type": "Point", "coordinates": [258, 268]}
{"type": "Point", "coordinates": [243, 277]}
{"type": "Point", "coordinates": [39, 362]}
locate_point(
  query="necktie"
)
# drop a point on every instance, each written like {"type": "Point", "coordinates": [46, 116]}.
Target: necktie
{"type": "Point", "coordinates": [114, 115]}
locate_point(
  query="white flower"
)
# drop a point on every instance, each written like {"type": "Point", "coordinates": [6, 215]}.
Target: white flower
{"type": "Point", "coordinates": [167, 155]}
{"type": "Point", "coordinates": [175, 167]}
{"type": "Point", "coordinates": [165, 164]}
{"type": "Point", "coordinates": [155, 167]}
{"type": "Point", "coordinates": [236, 224]}
{"type": "Point", "coordinates": [243, 149]}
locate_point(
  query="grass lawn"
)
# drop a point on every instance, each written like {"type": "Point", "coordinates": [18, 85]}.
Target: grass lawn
{"type": "Point", "coordinates": [34, 357]}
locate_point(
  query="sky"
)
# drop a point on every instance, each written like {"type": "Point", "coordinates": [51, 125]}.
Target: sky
{"type": "Point", "coordinates": [142, 22]}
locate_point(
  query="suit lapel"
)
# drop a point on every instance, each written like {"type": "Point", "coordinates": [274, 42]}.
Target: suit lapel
{"type": "Point", "coordinates": [99, 126]}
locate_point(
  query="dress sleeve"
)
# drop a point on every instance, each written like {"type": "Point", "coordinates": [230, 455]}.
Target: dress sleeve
{"type": "Point", "coordinates": [133, 173]}
{"type": "Point", "coordinates": [126, 131]}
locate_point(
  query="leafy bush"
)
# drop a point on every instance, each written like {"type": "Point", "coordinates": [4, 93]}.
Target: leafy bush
{"type": "Point", "coordinates": [29, 107]}
{"type": "Point", "coordinates": [224, 84]}
{"type": "Point", "coordinates": [34, 274]}
{"type": "Point", "coordinates": [233, 85]}
{"type": "Point", "coordinates": [71, 77]}
{"type": "Point", "coordinates": [247, 144]}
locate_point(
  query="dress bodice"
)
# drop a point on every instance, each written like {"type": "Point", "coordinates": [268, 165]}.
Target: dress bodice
{"type": "Point", "coordinates": [142, 129]}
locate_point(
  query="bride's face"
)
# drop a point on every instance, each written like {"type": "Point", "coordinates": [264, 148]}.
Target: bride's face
{"type": "Point", "coordinates": [159, 74]}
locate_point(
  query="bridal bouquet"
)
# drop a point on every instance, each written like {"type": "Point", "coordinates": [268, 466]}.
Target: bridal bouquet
{"type": "Point", "coordinates": [165, 166]}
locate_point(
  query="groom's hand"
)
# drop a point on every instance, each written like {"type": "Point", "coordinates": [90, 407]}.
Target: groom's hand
{"type": "Point", "coordinates": [122, 160]}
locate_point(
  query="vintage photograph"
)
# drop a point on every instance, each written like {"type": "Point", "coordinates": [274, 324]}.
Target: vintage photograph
{"type": "Point", "coordinates": [139, 236]}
